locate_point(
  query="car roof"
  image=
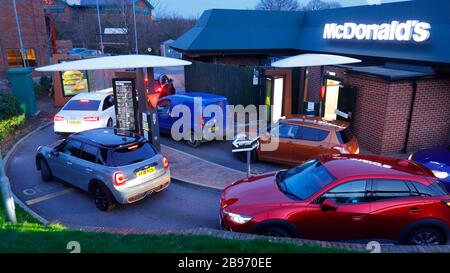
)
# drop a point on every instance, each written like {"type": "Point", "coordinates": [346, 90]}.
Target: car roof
{"type": "Point", "coordinates": [316, 122]}
{"type": "Point", "coordinates": [206, 97]}
{"type": "Point", "coordinates": [91, 95]}
{"type": "Point", "coordinates": [346, 166]}
{"type": "Point", "coordinates": [108, 137]}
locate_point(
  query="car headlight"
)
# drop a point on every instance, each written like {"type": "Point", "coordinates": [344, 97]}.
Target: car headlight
{"type": "Point", "coordinates": [410, 157]}
{"type": "Point", "coordinates": [238, 219]}
{"type": "Point", "coordinates": [440, 175]}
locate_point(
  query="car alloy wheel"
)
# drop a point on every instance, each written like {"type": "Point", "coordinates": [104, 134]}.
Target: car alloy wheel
{"type": "Point", "coordinates": [275, 232]}
{"type": "Point", "coordinates": [46, 173]}
{"type": "Point", "coordinates": [426, 237]}
{"type": "Point", "coordinates": [192, 141]}
{"type": "Point", "coordinates": [102, 200]}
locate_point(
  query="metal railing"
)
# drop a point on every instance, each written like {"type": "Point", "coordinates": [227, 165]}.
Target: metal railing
{"type": "Point", "coordinates": [8, 200]}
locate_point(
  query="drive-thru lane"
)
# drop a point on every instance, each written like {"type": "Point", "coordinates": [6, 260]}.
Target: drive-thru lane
{"type": "Point", "coordinates": [218, 152]}
{"type": "Point", "coordinates": [178, 207]}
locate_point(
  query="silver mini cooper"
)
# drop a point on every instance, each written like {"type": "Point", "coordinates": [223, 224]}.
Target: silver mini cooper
{"type": "Point", "coordinates": [113, 165]}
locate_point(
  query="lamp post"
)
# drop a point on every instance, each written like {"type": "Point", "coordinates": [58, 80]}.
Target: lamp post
{"type": "Point", "coordinates": [22, 50]}
{"type": "Point", "coordinates": [135, 29]}
{"type": "Point", "coordinates": [5, 190]}
{"type": "Point", "coordinates": [102, 48]}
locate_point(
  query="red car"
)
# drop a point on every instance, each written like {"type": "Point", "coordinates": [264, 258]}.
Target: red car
{"type": "Point", "coordinates": [342, 197]}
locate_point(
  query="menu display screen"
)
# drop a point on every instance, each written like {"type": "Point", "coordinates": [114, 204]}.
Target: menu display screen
{"type": "Point", "coordinates": [126, 104]}
{"type": "Point", "coordinates": [74, 82]}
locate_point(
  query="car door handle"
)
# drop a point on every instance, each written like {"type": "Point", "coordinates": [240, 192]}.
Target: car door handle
{"type": "Point", "coordinates": [358, 217]}
{"type": "Point", "coordinates": [88, 170]}
{"type": "Point", "coordinates": [69, 163]}
{"type": "Point", "coordinates": [415, 210]}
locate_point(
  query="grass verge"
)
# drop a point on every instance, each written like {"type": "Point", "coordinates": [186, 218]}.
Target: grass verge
{"type": "Point", "coordinates": [29, 236]}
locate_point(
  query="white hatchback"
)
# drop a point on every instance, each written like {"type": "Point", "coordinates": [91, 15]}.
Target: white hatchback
{"type": "Point", "coordinates": [86, 111]}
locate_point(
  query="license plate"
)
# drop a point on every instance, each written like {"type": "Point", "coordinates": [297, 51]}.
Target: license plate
{"type": "Point", "coordinates": [74, 122]}
{"type": "Point", "coordinates": [213, 129]}
{"type": "Point", "coordinates": [145, 171]}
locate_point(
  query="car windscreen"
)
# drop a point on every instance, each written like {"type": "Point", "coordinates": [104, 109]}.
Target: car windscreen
{"type": "Point", "coordinates": [82, 105]}
{"type": "Point", "coordinates": [344, 136]}
{"type": "Point", "coordinates": [132, 154]}
{"type": "Point", "coordinates": [305, 180]}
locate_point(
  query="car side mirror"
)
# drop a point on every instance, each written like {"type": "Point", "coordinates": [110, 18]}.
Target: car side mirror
{"type": "Point", "coordinates": [55, 152]}
{"type": "Point", "coordinates": [328, 205]}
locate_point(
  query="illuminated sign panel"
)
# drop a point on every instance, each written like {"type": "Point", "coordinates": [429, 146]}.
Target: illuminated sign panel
{"type": "Point", "coordinates": [411, 30]}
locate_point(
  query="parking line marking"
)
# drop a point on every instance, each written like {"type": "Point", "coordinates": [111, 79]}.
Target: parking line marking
{"type": "Point", "coordinates": [48, 196]}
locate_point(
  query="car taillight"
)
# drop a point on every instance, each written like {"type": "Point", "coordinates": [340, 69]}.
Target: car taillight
{"type": "Point", "coordinates": [341, 149]}
{"type": "Point", "coordinates": [119, 179]}
{"type": "Point", "coordinates": [92, 118]}
{"type": "Point", "coordinates": [165, 162]}
{"type": "Point", "coordinates": [58, 118]}
{"type": "Point", "coordinates": [447, 202]}
{"type": "Point", "coordinates": [203, 122]}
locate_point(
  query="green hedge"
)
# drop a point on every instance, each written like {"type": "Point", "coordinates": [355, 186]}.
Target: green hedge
{"type": "Point", "coordinates": [11, 116]}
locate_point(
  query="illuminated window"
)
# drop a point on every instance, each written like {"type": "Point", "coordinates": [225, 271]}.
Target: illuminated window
{"type": "Point", "coordinates": [15, 57]}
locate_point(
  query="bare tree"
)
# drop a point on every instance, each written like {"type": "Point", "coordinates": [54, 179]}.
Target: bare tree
{"type": "Point", "coordinates": [167, 27]}
{"type": "Point", "coordinates": [278, 5]}
{"type": "Point", "coordinates": [319, 5]}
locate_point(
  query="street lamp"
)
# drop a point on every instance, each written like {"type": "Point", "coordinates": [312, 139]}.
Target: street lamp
{"type": "Point", "coordinates": [102, 48]}
{"type": "Point", "coordinates": [135, 30]}
{"type": "Point", "coordinates": [22, 51]}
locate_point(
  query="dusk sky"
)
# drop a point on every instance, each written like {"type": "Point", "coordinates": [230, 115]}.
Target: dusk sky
{"type": "Point", "coordinates": [189, 8]}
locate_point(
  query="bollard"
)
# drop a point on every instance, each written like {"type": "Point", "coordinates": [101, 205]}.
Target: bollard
{"type": "Point", "coordinates": [8, 200]}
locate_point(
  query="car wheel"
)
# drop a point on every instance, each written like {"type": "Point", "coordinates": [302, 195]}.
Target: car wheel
{"type": "Point", "coordinates": [103, 198]}
{"type": "Point", "coordinates": [46, 172]}
{"type": "Point", "coordinates": [192, 141]}
{"type": "Point", "coordinates": [275, 232]}
{"type": "Point", "coordinates": [110, 123]}
{"type": "Point", "coordinates": [426, 237]}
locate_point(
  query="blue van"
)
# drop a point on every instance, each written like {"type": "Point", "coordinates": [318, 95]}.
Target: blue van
{"type": "Point", "coordinates": [199, 123]}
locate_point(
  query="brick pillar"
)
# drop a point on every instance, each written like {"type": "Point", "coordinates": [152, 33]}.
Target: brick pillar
{"type": "Point", "coordinates": [431, 115]}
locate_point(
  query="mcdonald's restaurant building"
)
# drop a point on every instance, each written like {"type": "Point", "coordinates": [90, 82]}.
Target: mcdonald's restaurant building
{"type": "Point", "coordinates": [397, 98]}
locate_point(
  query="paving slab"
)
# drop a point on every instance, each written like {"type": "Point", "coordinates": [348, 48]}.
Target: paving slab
{"type": "Point", "coordinates": [191, 169]}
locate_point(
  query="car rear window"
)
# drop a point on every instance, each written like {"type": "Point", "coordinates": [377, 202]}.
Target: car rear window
{"type": "Point", "coordinates": [131, 154]}
{"type": "Point", "coordinates": [82, 105]}
{"type": "Point", "coordinates": [344, 136]}
{"type": "Point", "coordinates": [312, 134]}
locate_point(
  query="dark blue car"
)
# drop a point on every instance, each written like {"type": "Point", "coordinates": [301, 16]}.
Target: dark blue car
{"type": "Point", "coordinates": [436, 159]}
{"type": "Point", "coordinates": [200, 124]}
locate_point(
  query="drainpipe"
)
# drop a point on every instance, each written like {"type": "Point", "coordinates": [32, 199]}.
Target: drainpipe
{"type": "Point", "coordinates": [322, 84]}
{"type": "Point", "coordinates": [411, 111]}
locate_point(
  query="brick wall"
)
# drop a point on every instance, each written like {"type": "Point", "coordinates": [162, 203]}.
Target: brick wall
{"type": "Point", "coordinates": [313, 84]}
{"type": "Point", "coordinates": [370, 112]}
{"type": "Point", "coordinates": [431, 116]}
{"type": "Point", "coordinates": [32, 23]}
{"type": "Point", "coordinates": [64, 46]}
{"type": "Point", "coordinates": [382, 111]}
{"type": "Point", "coordinates": [397, 117]}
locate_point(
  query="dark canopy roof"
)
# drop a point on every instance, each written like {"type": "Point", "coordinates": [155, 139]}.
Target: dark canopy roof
{"type": "Point", "coordinates": [233, 31]}
{"type": "Point", "coordinates": [242, 30]}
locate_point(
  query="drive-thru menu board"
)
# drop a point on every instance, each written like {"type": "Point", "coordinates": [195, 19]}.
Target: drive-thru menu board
{"type": "Point", "coordinates": [126, 104]}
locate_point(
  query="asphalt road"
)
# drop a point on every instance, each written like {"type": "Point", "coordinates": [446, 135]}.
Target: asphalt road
{"type": "Point", "coordinates": [220, 153]}
{"type": "Point", "coordinates": [180, 206]}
